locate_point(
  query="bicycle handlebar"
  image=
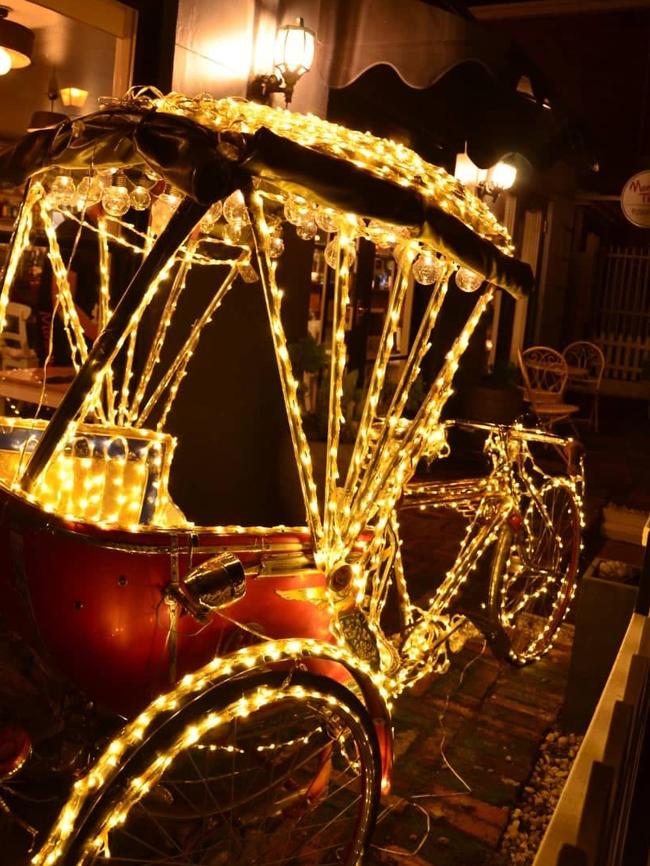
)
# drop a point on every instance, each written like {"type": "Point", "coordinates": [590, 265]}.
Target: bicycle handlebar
{"type": "Point", "coordinates": [514, 432]}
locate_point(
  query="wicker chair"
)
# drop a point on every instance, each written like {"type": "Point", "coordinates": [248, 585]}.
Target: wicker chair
{"type": "Point", "coordinates": [586, 364]}
{"type": "Point", "coordinates": [545, 374]}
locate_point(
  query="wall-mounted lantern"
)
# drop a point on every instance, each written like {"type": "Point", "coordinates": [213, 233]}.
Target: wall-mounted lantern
{"type": "Point", "coordinates": [293, 56]}
{"type": "Point", "coordinates": [74, 96]}
{"type": "Point", "coordinates": [485, 182]}
{"type": "Point", "coordinates": [500, 178]}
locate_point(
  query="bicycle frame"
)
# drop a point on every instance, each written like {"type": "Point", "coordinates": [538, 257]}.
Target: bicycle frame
{"type": "Point", "coordinates": [492, 503]}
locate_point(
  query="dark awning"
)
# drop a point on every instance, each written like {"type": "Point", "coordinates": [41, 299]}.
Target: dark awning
{"type": "Point", "coordinates": [445, 80]}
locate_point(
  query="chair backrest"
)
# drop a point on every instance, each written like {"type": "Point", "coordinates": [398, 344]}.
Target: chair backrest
{"type": "Point", "coordinates": [587, 356]}
{"type": "Point", "coordinates": [544, 372]}
{"type": "Point", "coordinates": [14, 333]}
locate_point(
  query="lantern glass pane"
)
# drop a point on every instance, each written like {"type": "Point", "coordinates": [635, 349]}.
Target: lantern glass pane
{"type": "Point", "coordinates": [294, 49]}
{"type": "Point", "coordinates": [503, 175]}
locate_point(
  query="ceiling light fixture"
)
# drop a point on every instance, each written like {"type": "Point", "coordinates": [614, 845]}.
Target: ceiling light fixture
{"type": "Point", "coordinates": [16, 44]}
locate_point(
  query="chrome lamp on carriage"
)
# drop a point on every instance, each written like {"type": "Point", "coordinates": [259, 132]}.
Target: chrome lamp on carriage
{"type": "Point", "coordinates": [268, 743]}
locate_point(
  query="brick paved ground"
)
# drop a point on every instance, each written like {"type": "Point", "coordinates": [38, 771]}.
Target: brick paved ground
{"type": "Point", "coordinates": [483, 720]}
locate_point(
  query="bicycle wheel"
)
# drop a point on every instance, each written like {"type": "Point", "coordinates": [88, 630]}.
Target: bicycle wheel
{"type": "Point", "coordinates": [275, 769]}
{"type": "Point", "coordinates": [534, 572]}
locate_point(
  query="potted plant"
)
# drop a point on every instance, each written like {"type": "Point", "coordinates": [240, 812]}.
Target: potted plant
{"type": "Point", "coordinates": [496, 397]}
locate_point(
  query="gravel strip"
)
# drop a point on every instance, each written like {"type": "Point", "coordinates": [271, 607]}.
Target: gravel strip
{"type": "Point", "coordinates": [529, 819]}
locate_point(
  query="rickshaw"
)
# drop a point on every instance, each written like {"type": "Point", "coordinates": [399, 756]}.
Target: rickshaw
{"type": "Point", "coordinates": [251, 665]}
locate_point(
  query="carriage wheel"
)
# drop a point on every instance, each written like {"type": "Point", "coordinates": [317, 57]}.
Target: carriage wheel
{"type": "Point", "coordinates": [534, 573]}
{"type": "Point", "coordinates": [274, 769]}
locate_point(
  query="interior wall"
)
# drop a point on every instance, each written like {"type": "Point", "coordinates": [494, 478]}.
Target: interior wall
{"type": "Point", "coordinates": [215, 46]}
{"type": "Point", "coordinates": [57, 56]}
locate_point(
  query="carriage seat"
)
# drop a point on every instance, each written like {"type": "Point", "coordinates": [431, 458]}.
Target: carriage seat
{"type": "Point", "coordinates": [104, 475]}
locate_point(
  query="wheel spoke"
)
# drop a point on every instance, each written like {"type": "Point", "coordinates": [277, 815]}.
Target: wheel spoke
{"type": "Point", "coordinates": [535, 587]}
{"type": "Point", "coordinates": [289, 783]}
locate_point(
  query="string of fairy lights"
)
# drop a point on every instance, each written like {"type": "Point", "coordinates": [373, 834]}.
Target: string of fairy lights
{"type": "Point", "coordinates": [219, 669]}
{"type": "Point", "coordinates": [387, 448]}
{"type": "Point", "coordinates": [111, 468]}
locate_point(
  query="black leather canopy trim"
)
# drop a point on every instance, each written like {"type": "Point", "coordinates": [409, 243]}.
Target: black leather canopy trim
{"type": "Point", "coordinates": [342, 185]}
{"type": "Point", "coordinates": [187, 155]}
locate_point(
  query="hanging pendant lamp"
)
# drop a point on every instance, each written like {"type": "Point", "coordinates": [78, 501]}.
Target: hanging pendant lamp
{"type": "Point", "coordinates": [16, 44]}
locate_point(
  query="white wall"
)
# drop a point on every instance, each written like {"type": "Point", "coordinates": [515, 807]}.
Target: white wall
{"type": "Point", "coordinates": [214, 46]}
{"type": "Point", "coordinates": [221, 44]}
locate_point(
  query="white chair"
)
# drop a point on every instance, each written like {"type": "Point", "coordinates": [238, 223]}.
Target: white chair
{"type": "Point", "coordinates": [15, 352]}
{"type": "Point", "coordinates": [545, 373]}
{"type": "Point", "coordinates": [586, 364]}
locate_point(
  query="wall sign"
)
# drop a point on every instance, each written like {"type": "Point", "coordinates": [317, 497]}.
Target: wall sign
{"type": "Point", "coordinates": [635, 199]}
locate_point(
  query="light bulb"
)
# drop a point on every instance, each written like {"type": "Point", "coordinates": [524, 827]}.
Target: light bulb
{"type": "Point", "coordinates": [234, 209]}
{"type": "Point", "coordinates": [294, 48]}
{"type": "Point", "coordinates": [326, 219]}
{"type": "Point", "coordinates": [331, 254]}
{"type": "Point", "coordinates": [468, 280]}
{"type": "Point", "coordinates": [62, 191]}
{"type": "Point", "coordinates": [307, 230]}
{"type": "Point", "coordinates": [502, 175]}
{"type": "Point", "coordinates": [427, 268]}
{"type": "Point", "coordinates": [297, 210]}
{"type": "Point", "coordinates": [89, 191]}
{"type": "Point", "coordinates": [116, 199]}
{"type": "Point", "coordinates": [140, 198]}
{"type": "Point", "coordinates": [212, 217]}
{"type": "Point", "coordinates": [276, 247]}
{"type": "Point", "coordinates": [5, 62]}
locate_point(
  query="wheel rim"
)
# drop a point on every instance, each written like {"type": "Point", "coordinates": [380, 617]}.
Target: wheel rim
{"type": "Point", "coordinates": [282, 777]}
{"type": "Point", "coordinates": [538, 578]}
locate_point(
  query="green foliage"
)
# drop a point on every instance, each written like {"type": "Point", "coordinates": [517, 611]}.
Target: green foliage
{"type": "Point", "coordinates": [307, 356]}
{"type": "Point", "coordinates": [415, 399]}
{"type": "Point", "coordinates": [504, 375]}
{"type": "Point", "coordinates": [351, 406]}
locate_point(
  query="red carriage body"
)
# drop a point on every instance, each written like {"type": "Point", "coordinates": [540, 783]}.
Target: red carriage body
{"type": "Point", "coordinates": [94, 599]}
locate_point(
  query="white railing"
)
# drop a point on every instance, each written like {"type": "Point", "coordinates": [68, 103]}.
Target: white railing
{"type": "Point", "coordinates": [622, 320]}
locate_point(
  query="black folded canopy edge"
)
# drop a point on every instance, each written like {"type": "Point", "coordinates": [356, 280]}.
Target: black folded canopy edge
{"type": "Point", "coordinates": [186, 154]}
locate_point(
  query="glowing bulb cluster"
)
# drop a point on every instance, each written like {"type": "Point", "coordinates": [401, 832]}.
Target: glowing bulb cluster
{"type": "Point", "coordinates": [116, 200]}
{"type": "Point", "coordinates": [428, 268]}
{"type": "Point", "coordinates": [468, 280]}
